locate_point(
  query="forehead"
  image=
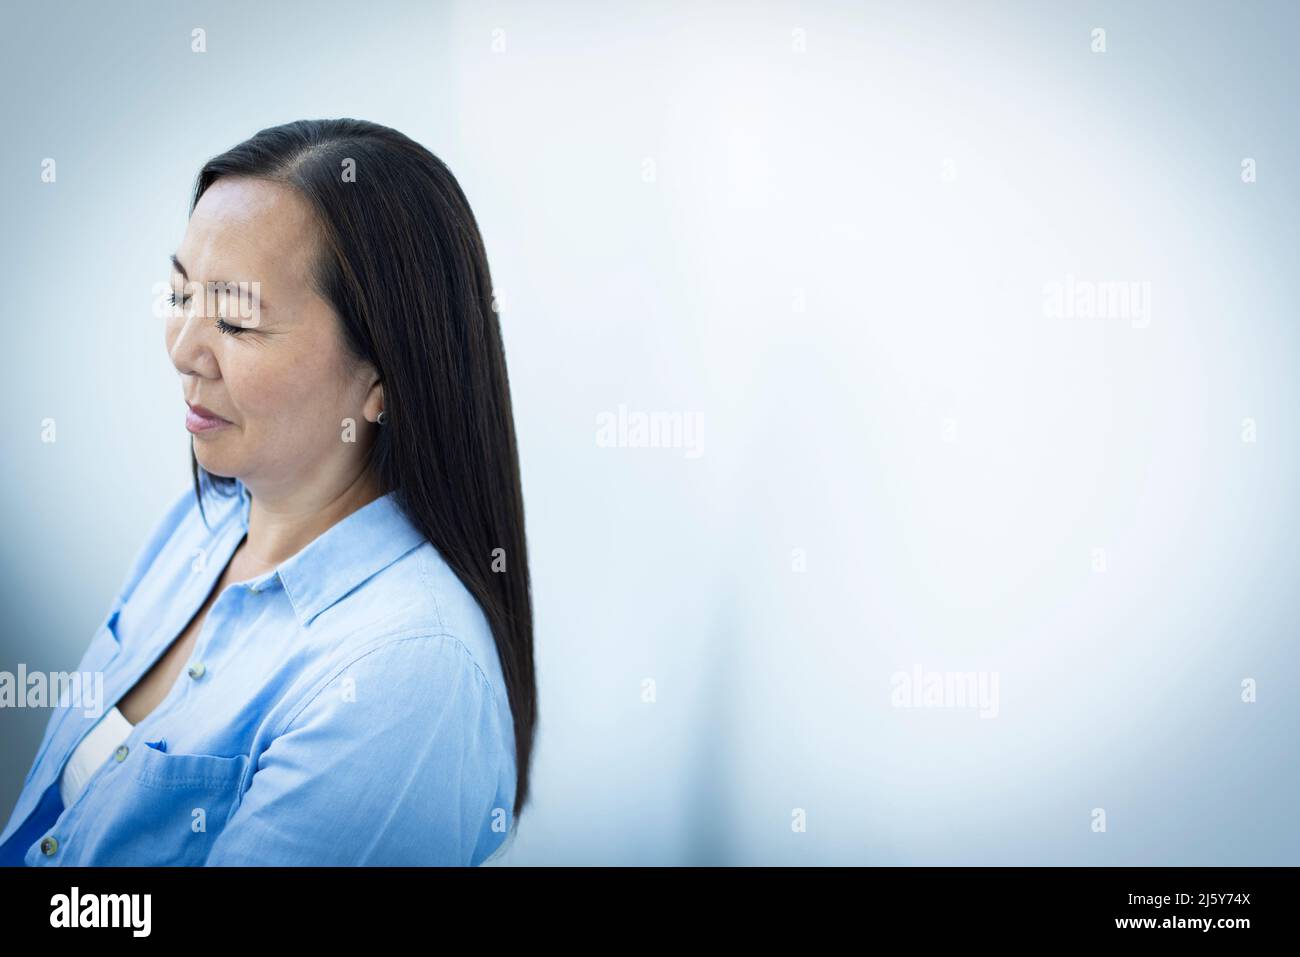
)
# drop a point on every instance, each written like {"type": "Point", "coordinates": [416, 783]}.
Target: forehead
{"type": "Point", "coordinates": [250, 230]}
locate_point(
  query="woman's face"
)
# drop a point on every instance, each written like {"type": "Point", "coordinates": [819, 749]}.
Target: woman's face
{"type": "Point", "coordinates": [281, 380]}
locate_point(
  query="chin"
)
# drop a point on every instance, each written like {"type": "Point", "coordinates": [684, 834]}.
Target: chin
{"type": "Point", "coordinates": [222, 466]}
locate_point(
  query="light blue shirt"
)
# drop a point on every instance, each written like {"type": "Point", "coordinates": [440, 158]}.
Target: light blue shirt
{"type": "Point", "coordinates": [346, 708]}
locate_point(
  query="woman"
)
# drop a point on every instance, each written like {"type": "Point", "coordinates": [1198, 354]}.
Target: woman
{"type": "Point", "coordinates": [322, 654]}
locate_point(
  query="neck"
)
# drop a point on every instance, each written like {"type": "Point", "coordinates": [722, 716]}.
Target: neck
{"type": "Point", "coordinates": [282, 522]}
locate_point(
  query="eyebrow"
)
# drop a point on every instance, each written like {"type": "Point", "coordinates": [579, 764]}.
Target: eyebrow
{"type": "Point", "coordinates": [253, 293]}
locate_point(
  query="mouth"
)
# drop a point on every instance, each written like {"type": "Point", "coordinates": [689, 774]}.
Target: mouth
{"type": "Point", "coordinates": [198, 419]}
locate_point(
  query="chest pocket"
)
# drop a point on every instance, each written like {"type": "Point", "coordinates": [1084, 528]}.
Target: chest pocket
{"type": "Point", "coordinates": [159, 768]}
{"type": "Point", "coordinates": [163, 809]}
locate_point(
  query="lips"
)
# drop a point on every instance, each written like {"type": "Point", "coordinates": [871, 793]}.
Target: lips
{"type": "Point", "coordinates": [200, 419]}
{"type": "Point", "coordinates": [204, 412]}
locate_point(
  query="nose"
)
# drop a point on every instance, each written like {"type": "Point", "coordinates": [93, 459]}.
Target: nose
{"type": "Point", "coordinates": [188, 343]}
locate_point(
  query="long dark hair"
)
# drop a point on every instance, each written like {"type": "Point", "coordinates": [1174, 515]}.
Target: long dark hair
{"type": "Point", "coordinates": [404, 267]}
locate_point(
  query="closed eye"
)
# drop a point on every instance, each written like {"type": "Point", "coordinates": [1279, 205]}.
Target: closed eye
{"type": "Point", "coordinates": [222, 325]}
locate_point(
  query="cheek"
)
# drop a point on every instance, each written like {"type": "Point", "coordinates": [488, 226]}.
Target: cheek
{"type": "Point", "coordinates": [291, 396]}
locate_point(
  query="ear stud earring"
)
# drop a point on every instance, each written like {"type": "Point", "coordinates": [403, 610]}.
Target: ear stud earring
{"type": "Point", "coordinates": [382, 418]}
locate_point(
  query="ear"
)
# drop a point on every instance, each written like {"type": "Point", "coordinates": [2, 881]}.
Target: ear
{"type": "Point", "coordinates": [374, 403]}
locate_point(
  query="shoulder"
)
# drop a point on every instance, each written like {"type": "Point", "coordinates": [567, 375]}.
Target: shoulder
{"type": "Point", "coordinates": [416, 713]}
{"type": "Point", "coordinates": [416, 595]}
{"type": "Point", "coordinates": [408, 675]}
{"type": "Point", "coordinates": [415, 628]}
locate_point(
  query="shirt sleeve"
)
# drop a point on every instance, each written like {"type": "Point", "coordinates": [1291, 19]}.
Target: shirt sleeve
{"type": "Point", "coordinates": [395, 760]}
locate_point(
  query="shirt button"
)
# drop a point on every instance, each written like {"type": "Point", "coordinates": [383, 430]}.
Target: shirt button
{"type": "Point", "coordinates": [49, 845]}
{"type": "Point", "coordinates": [121, 752]}
{"type": "Point", "coordinates": [197, 670]}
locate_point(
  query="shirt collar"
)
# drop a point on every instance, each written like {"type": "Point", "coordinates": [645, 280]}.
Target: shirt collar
{"type": "Point", "coordinates": [342, 557]}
